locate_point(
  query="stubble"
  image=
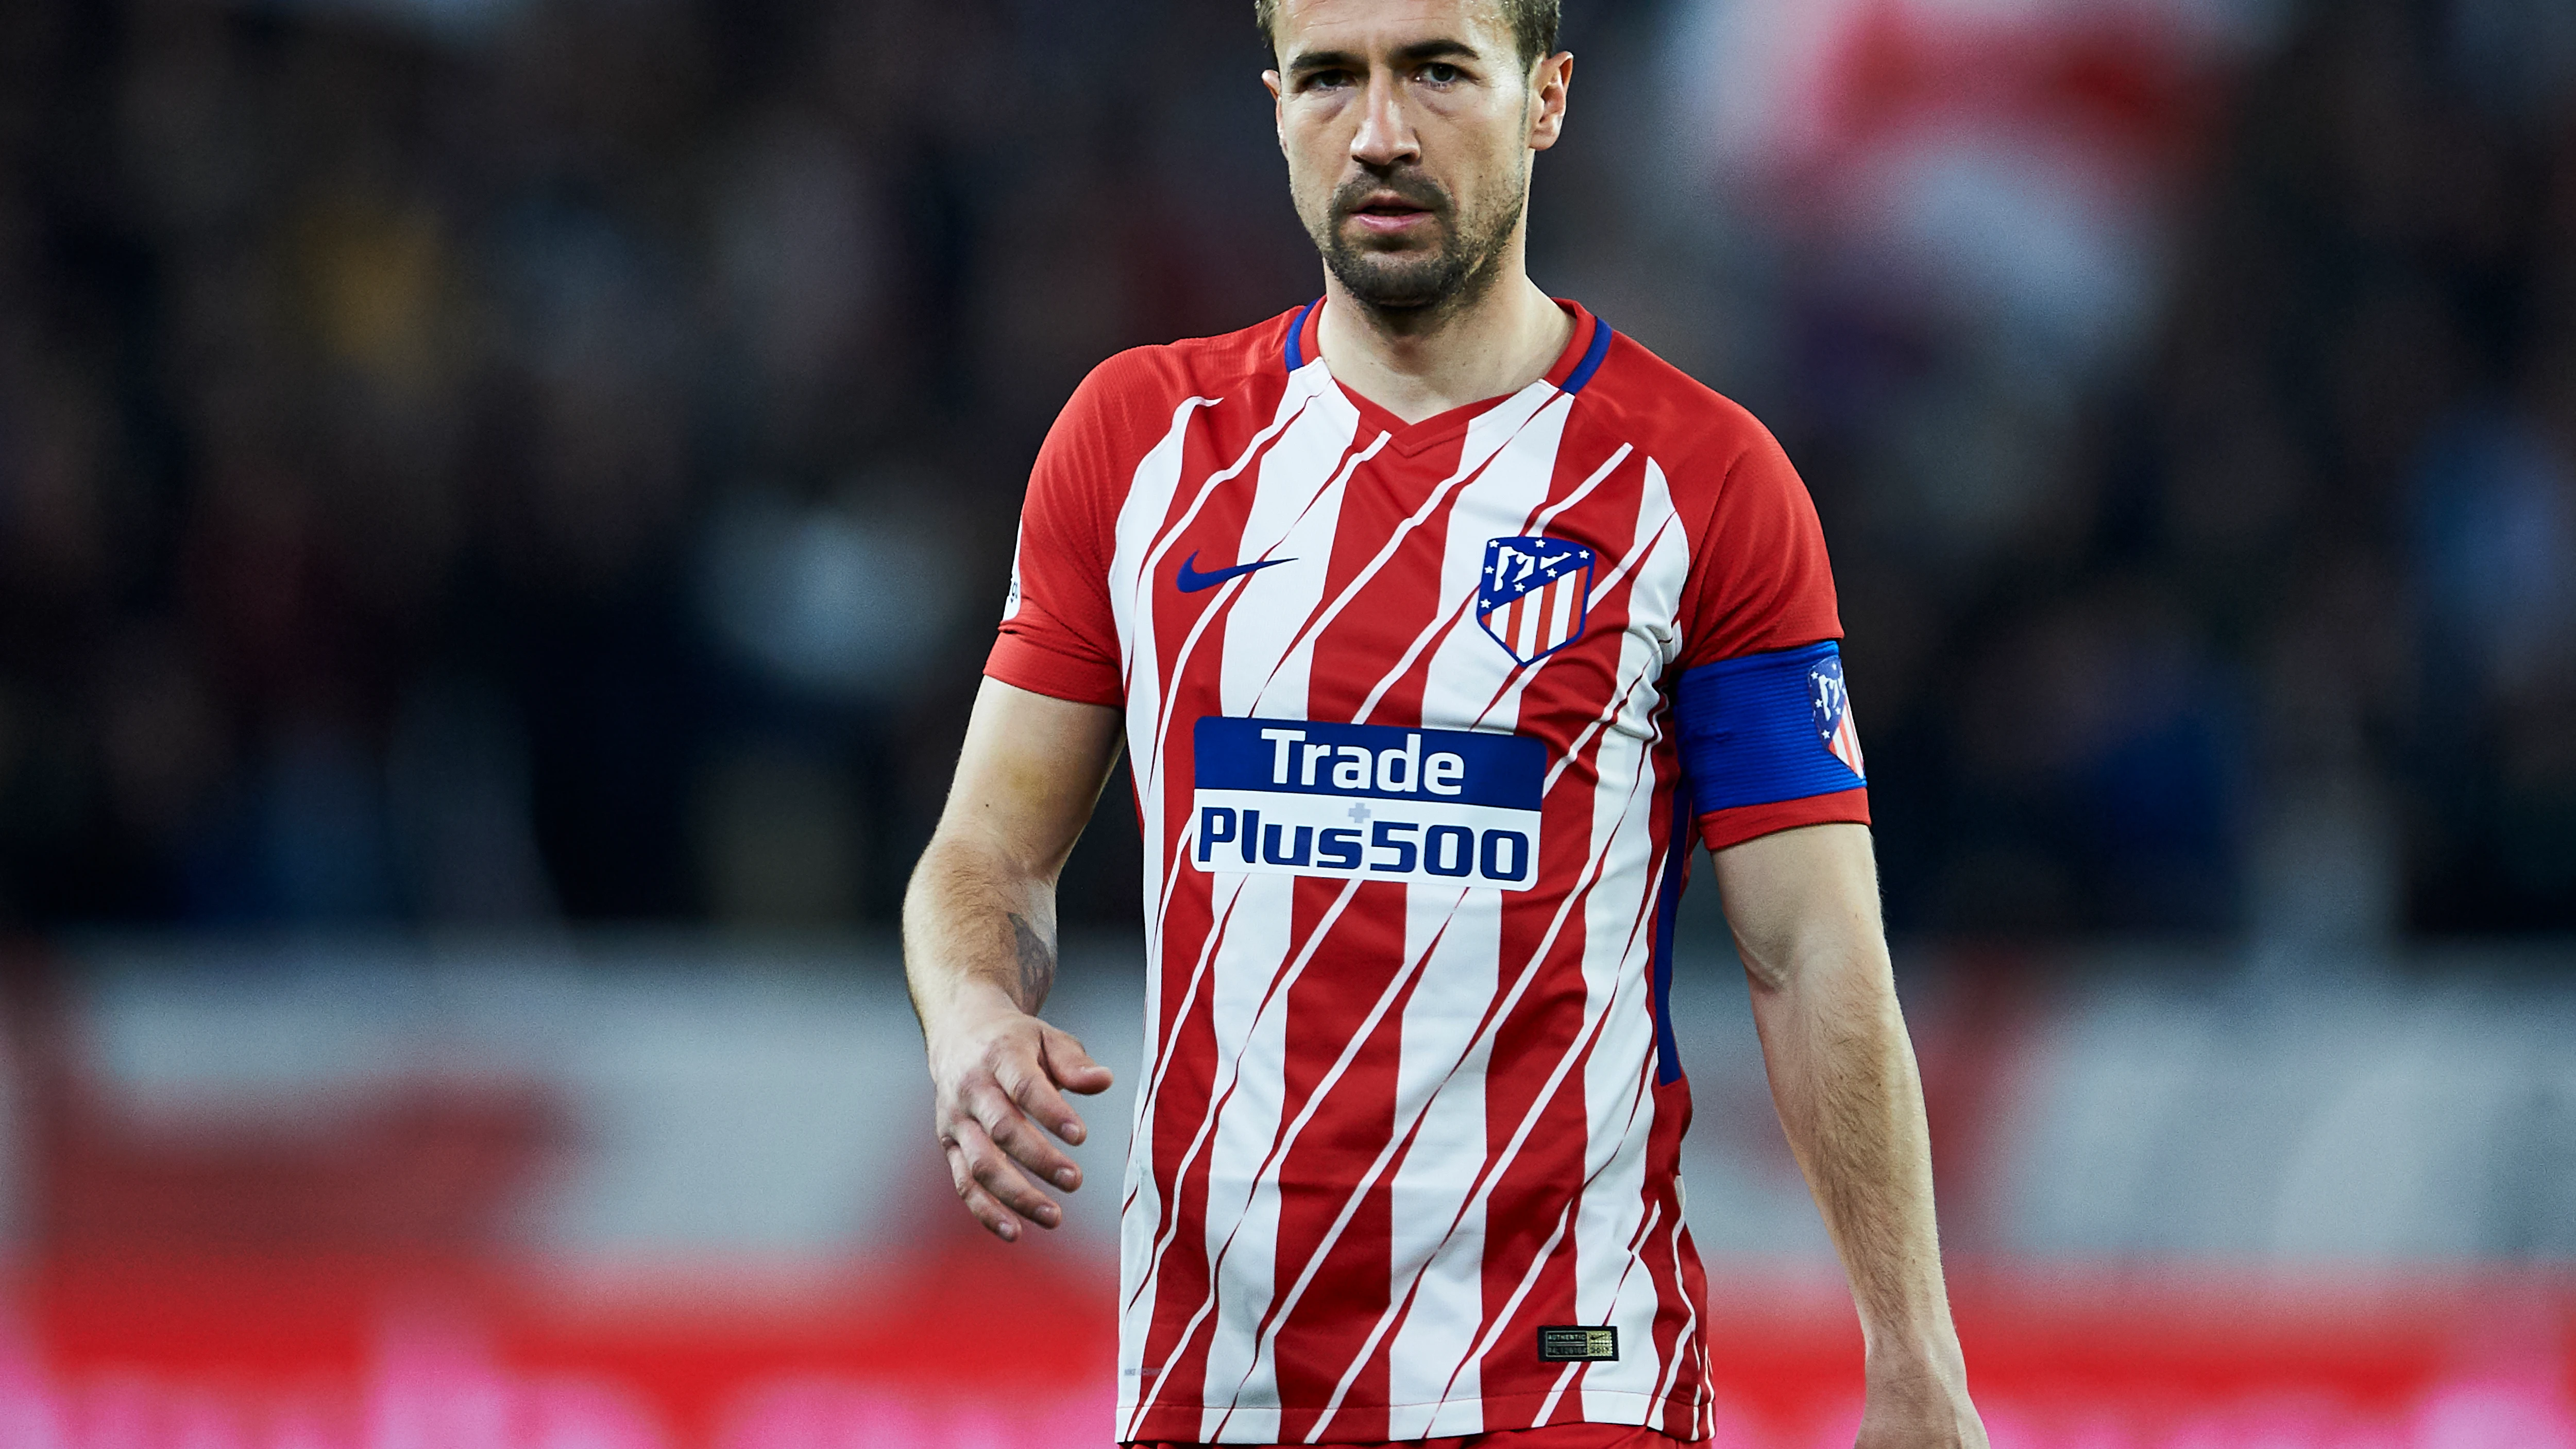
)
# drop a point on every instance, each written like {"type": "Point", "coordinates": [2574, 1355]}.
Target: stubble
{"type": "Point", "coordinates": [1415, 289]}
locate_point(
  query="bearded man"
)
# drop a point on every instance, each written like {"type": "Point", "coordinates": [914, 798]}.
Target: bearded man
{"type": "Point", "coordinates": [1440, 624]}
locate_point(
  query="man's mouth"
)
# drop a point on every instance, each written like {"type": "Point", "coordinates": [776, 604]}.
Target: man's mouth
{"type": "Point", "coordinates": [1389, 215]}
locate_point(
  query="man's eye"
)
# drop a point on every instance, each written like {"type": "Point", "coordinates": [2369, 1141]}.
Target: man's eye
{"type": "Point", "coordinates": [1325, 79]}
{"type": "Point", "coordinates": [1441, 73]}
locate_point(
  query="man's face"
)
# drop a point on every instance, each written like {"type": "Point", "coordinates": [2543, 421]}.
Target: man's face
{"type": "Point", "coordinates": [1408, 126]}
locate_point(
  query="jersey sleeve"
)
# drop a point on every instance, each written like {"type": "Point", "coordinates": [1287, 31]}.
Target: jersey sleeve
{"type": "Point", "coordinates": [1767, 737]}
{"type": "Point", "coordinates": [1058, 637]}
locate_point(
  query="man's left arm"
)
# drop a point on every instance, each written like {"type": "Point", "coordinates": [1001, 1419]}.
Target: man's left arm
{"type": "Point", "coordinates": [1803, 905]}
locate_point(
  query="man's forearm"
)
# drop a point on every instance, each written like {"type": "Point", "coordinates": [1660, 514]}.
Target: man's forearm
{"type": "Point", "coordinates": [1804, 907]}
{"type": "Point", "coordinates": [1851, 1101]}
{"type": "Point", "coordinates": [979, 951]}
{"type": "Point", "coordinates": [974, 922]}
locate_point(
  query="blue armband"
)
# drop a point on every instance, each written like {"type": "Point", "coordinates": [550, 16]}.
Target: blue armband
{"type": "Point", "coordinates": [1766, 728]}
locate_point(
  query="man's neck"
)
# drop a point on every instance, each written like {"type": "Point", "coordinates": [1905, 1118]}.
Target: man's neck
{"type": "Point", "coordinates": [1495, 346]}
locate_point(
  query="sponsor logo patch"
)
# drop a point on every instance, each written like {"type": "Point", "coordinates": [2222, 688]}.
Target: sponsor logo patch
{"type": "Point", "coordinates": [1535, 595]}
{"type": "Point", "coordinates": [1366, 802]}
{"type": "Point", "coordinates": [1578, 1345]}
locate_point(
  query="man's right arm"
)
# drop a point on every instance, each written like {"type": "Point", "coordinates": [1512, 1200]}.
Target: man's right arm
{"type": "Point", "coordinates": [979, 950]}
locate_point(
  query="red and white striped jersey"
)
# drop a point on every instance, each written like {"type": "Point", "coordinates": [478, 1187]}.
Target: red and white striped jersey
{"type": "Point", "coordinates": [1399, 710]}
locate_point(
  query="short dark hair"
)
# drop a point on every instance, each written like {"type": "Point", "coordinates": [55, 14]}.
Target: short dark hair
{"type": "Point", "coordinates": [1533, 25]}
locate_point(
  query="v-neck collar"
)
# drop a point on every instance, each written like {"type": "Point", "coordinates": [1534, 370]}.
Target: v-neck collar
{"type": "Point", "coordinates": [1574, 367]}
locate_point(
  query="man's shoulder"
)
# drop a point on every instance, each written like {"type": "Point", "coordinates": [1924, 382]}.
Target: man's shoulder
{"type": "Point", "coordinates": [1157, 378]}
{"type": "Point", "coordinates": [1670, 415]}
{"type": "Point", "coordinates": [1136, 400]}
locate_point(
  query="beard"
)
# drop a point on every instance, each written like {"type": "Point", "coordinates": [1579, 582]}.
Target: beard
{"type": "Point", "coordinates": [1426, 282]}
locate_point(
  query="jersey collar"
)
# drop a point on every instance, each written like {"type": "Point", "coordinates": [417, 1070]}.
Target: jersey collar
{"type": "Point", "coordinates": [1574, 367]}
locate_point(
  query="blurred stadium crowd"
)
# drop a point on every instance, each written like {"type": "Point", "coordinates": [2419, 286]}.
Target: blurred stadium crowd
{"type": "Point", "coordinates": [501, 461]}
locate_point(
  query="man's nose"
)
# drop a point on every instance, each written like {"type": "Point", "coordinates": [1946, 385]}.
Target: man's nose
{"type": "Point", "coordinates": [1385, 137]}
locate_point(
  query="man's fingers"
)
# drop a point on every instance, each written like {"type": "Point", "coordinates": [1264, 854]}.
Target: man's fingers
{"type": "Point", "coordinates": [998, 1220]}
{"type": "Point", "coordinates": [1071, 1066]}
{"type": "Point", "coordinates": [1037, 1096]}
{"type": "Point", "coordinates": [999, 1112]}
{"type": "Point", "coordinates": [1068, 1066]}
{"type": "Point", "coordinates": [1002, 1112]}
{"type": "Point", "coordinates": [991, 1170]}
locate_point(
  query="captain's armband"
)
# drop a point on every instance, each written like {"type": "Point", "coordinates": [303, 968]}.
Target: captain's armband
{"type": "Point", "coordinates": [1764, 728]}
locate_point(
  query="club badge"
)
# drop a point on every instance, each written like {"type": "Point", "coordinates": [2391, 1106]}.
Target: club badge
{"type": "Point", "coordinates": [1833, 713]}
{"type": "Point", "coordinates": [1535, 595]}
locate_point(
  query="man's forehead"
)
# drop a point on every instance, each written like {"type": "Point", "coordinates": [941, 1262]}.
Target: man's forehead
{"type": "Point", "coordinates": [1366, 26]}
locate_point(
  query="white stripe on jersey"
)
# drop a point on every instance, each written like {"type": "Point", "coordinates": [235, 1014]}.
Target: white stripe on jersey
{"type": "Point", "coordinates": [1429, 1185]}
{"type": "Point", "coordinates": [1690, 1321]}
{"type": "Point", "coordinates": [1442, 1066]}
{"type": "Point", "coordinates": [1143, 540]}
{"type": "Point", "coordinates": [1131, 601]}
{"type": "Point", "coordinates": [1149, 497]}
{"type": "Point", "coordinates": [1605, 1230]}
{"type": "Point", "coordinates": [1486, 436]}
{"type": "Point", "coordinates": [1137, 1222]}
{"type": "Point", "coordinates": [1595, 1009]}
{"type": "Point", "coordinates": [1511, 1308]}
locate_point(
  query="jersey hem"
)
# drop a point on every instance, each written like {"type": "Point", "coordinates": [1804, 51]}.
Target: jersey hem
{"type": "Point", "coordinates": [1023, 663]}
{"type": "Point", "coordinates": [1181, 1423]}
{"type": "Point", "coordinates": [1740, 823]}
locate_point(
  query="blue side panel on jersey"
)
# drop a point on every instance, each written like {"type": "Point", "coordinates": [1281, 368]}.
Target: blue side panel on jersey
{"type": "Point", "coordinates": [1752, 732]}
{"type": "Point", "coordinates": [1297, 331]}
{"type": "Point", "coordinates": [1592, 356]}
{"type": "Point", "coordinates": [1668, 906]}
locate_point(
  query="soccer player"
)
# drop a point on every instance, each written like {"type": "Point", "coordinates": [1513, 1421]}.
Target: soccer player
{"type": "Point", "coordinates": [1439, 622]}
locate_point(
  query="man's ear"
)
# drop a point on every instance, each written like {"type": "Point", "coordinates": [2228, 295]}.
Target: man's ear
{"type": "Point", "coordinates": [1278, 101]}
{"type": "Point", "coordinates": [1550, 80]}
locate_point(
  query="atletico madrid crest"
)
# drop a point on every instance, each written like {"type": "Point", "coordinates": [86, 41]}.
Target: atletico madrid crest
{"type": "Point", "coordinates": [1833, 713]}
{"type": "Point", "coordinates": [1535, 595]}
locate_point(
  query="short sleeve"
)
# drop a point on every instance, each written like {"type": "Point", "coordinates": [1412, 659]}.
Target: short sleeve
{"type": "Point", "coordinates": [1768, 738]}
{"type": "Point", "coordinates": [1058, 636]}
{"type": "Point", "coordinates": [1763, 580]}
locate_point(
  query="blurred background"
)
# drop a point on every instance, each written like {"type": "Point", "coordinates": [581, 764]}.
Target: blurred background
{"type": "Point", "coordinates": [502, 503]}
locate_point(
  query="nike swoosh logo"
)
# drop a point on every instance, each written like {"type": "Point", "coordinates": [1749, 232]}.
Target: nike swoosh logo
{"type": "Point", "coordinates": [1191, 580]}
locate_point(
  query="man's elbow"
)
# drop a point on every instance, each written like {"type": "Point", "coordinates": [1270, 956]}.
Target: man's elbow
{"type": "Point", "coordinates": [1836, 958]}
{"type": "Point", "coordinates": [1768, 977]}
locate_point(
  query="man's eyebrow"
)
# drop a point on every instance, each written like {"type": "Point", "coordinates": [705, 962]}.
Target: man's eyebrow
{"type": "Point", "coordinates": [1306, 60]}
{"type": "Point", "coordinates": [1443, 48]}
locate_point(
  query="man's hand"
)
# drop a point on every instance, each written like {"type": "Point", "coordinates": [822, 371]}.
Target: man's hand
{"type": "Point", "coordinates": [1000, 1075]}
{"type": "Point", "coordinates": [979, 951]}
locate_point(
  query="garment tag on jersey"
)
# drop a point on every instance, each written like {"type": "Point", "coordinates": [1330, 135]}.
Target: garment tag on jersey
{"type": "Point", "coordinates": [1367, 802]}
{"type": "Point", "coordinates": [1578, 1345]}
